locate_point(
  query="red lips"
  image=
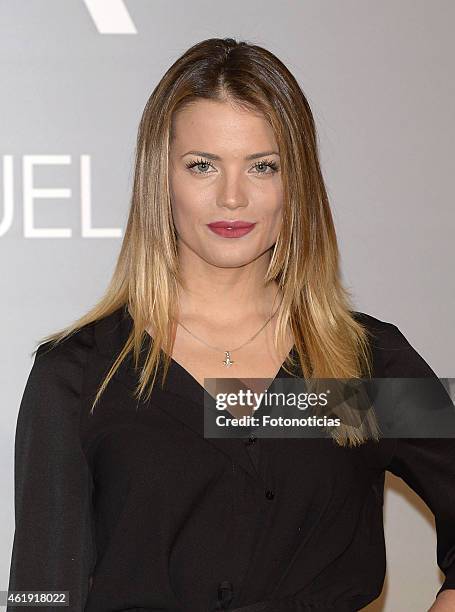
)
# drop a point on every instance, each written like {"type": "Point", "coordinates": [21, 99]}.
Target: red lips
{"type": "Point", "coordinates": [231, 229]}
{"type": "Point", "coordinates": [233, 224]}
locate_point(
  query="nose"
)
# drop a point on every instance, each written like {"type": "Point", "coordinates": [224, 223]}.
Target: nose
{"type": "Point", "coordinates": [231, 193]}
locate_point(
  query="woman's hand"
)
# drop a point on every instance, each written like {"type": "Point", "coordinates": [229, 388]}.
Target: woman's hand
{"type": "Point", "coordinates": [444, 602]}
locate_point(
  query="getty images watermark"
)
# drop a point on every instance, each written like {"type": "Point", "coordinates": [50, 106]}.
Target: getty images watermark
{"type": "Point", "coordinates": [308, 408]}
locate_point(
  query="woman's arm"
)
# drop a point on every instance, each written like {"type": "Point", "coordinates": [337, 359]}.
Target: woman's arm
{"type": "Point", "coordinates": [445, 602]}
{"type": "Point", "coordinates": [53, 547]}
{"type": "Point", "coordinates": [427, 465]}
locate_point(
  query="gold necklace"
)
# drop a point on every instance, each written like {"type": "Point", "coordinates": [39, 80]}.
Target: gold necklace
{"type": "Point", "coordinates": [227, 362]}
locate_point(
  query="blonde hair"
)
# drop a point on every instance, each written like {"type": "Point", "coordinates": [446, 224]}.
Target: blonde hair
{"type": "Point", "coordinates": [329, 341]}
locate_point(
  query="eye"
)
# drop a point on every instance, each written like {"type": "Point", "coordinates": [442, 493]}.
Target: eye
{"type": "Point", "coordinates": [199, 163]}
{"type": "Point", "coordinates": [264, 164]}
{"type": "Point", "coordinates": [203, 165]}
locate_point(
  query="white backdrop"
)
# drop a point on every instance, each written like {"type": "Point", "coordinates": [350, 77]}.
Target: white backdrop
{"type": "Point", "coordinates": [379, 76]}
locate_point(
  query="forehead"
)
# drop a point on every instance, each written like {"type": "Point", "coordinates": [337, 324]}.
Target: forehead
{"type": "Point", "coordinates": [210, 124]}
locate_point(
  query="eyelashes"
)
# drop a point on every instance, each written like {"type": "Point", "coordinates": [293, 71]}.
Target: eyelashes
{"type": "Point", "coordinates": [264, 163]}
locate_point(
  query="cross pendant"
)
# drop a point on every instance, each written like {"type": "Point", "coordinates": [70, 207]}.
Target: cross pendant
{"type": "Point", "coordinates": [228, 361]}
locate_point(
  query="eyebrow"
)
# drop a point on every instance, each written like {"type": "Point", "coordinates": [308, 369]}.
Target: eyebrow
{"type": "Point", "coordinates": [218, 158]}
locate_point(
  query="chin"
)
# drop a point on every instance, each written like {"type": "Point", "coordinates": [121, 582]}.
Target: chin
{"type": "Point", "coordinates": [229, 262]}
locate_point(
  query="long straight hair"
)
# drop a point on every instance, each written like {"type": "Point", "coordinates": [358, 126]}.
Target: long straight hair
{"type": "Point", "coordinates": [304, 262]}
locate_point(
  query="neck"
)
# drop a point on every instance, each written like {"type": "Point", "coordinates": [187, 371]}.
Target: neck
{"type": "Point", "coordinates": [225, 296]}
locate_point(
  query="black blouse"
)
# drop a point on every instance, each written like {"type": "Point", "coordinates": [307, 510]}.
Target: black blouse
{"type": "Point", "coordinates": [165, 519]}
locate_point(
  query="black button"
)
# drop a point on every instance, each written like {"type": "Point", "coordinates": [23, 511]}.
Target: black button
{"type": "Point", "coordinates": [225, 594]}
{"type": "Point", "coordinates": [250, 440]}
{"type": "Point", "coordinates": [269, 494]}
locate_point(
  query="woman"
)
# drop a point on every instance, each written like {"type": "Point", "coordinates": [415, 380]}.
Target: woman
{"type": "Point", "coordinates": [229, 268]}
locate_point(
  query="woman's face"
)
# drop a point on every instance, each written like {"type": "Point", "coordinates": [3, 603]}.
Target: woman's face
{"type": "Point", "coordinates": [224, 166]}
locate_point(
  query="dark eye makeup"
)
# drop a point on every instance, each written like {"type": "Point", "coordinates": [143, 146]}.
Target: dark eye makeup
{"type": "Point", "coordinates": [259, 164]}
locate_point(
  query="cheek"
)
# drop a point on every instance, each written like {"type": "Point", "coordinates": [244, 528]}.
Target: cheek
{"type": "Point", "coordinates": [273, 210]}
{"type": "Point", "coordinates": [187, 201]}
{"type": "Point", "coordinates": [270, 197]}
{"type": "Point", "coordinates": [272, 220]}
{"type": "Point", "coordinates": [189, 212]}
{"type": "Point", "coordinates": [277, 220]}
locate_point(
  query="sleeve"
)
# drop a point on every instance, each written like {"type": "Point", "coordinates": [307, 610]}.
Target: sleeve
{"type": "Point", "coordinates": [53, 545]}
{"type": "Point", "coordinates": [427, 465]}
